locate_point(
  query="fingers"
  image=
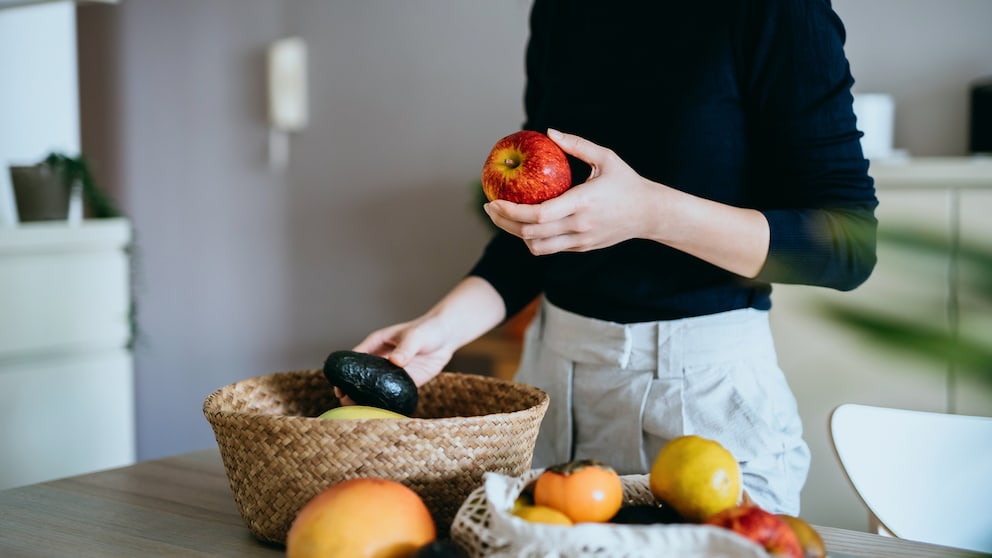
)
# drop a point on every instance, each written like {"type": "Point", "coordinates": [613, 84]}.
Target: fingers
{"type": "Point", "coordinates": [409, 345]}
{"type": "Point", "coordinates": [344, 399]}
{"type": "Point", "coordinates": [552, 210]}
{"type": "Point", "coordinates": [581, 148]}
{"type": "Point", "coordinates": [378, 342]}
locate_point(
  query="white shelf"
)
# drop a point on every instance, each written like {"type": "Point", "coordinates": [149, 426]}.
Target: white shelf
{"type": "Point", "coordinates": [933, 173]}
{"type": "Point", "coordinates": [58, 236]}
{"type": "Point", "coordinates": [19, 3]}
{"type": "Point", "coordinates": [66, 373]}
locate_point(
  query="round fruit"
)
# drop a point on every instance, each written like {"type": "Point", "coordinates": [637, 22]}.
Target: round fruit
{"type": "Point", "coordinates": [809, 539]}
{"type": "Point", "coordinates": [372, 380]}
{"type": "Point", "coordinates": [525, 167]}
{"type": "Point", "coordinates": [696, 476]}
{"type": "Point", "coordinates": [441, 549]}
{"type": "Point", "coordinates": [541, 514]}
{"type": "Point", "coordinates": [361, 518]}
{"type": "Point", "coordinates": [525, 499]}
{"type": "Point", "coordinates": [762, 527]}
{"type": "Point", "coordinates": [348, 412]}
{"type": "Point", "coordinates": [585, 491]}
{"type": "Point", "coordinates": [646, 514]}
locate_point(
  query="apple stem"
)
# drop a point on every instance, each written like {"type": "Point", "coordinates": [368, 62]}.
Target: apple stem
{"type": "Point", "coordinates": [512, 163]}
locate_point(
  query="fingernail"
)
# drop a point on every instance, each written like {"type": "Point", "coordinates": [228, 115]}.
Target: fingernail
{"type": "Point", "coordinates": [554, 134]}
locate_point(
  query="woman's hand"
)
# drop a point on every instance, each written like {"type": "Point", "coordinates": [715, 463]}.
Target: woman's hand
{"type": "Point", "coordinates": [423, 346]}
{"type": "Point", "coordinates": [616, 204]}
{"type": "Point", "coordinates": [418, 346]}
{"type": "Point", "coordinates": [608, 208]}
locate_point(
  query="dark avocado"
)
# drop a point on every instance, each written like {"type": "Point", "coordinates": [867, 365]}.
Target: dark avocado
{"type": "Point", "coordinates": [372, 380]}
{"type": "Point", "coordinates": [440, 549]}
{"type": "Point", "coordinates": [644, 514]}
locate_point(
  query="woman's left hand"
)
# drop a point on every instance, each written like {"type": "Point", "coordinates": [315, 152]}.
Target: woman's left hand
{"type": "Point", "coordinates": [609, 207]}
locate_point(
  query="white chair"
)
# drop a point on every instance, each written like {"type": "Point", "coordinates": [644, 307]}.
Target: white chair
{"type": "Point", "coordinates": [923, 476]}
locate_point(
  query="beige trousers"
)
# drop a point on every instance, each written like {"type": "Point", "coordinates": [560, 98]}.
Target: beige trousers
{"type": "Point", "coordinates": [619, 392]}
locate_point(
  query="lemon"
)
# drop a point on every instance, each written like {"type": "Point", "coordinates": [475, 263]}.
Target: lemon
{"type": "Point", "coordinates": [696, 476]}
{"type": "Point", "coordinates": [525, 499]}
{"type": "Point", "coordinates": [541, 514]}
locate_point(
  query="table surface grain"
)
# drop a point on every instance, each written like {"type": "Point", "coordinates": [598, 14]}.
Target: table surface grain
{"type": "Point", "coordinates": [182, 506]}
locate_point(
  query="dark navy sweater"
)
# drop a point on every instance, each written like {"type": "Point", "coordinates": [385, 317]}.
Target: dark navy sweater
{"type": "Point", "coordinates": [743, 102]}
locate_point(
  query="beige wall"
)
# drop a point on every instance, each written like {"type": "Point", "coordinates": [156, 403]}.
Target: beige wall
{"type": "Point", "coordinates": [242, 271]}
{"type": "Point", "coordinates": [926, 54]}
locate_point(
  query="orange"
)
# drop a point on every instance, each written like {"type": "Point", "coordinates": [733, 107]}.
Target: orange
{"type": "Point", "coordinates": [585, 491]}
{"type": "Point", "coordinates": [361, 518]}
{"type": "Point", "coordinates": [696, 476]}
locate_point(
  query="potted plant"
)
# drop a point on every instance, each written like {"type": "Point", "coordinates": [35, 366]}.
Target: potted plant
{"type": "Point", "coordinates": [43, 191]}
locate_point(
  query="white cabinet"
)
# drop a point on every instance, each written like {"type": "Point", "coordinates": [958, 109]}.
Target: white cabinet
{"type": "Point", "coordinates": [828, 364]}
{"type": "Point", "coordinates": [66, 374]}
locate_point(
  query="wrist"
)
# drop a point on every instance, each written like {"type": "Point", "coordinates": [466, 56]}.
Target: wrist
{"type": "Point", "coordinates": [470, 310]}
{"type": "Point", "coordinates": [665, 214]}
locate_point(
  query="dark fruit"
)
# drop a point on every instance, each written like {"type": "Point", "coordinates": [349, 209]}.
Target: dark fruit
{"type": "Point", "coordinates": [646, 514]}
{"type": "Point", "coordinates": [372, 380]}
{"type": "Point", "coordinates": [440, 549]}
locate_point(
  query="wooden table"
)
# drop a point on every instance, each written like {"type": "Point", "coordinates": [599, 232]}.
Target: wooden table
{"type": "Point", "coordinates": [182, 506]}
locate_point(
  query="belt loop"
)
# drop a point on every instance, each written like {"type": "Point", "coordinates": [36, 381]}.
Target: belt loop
{"type": "Point", "coordinates": [676, 348]}
{"type": "Point", "coordinates": [628, 344]}
{"type": "Point", "coordinates": [659, 340]}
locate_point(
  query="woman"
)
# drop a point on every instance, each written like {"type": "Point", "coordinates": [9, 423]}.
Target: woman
{"type": "Point", "coordinates": [717, 153]}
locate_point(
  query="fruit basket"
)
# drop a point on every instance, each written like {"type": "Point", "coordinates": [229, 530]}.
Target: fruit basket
{"type": "Point", "coordinates": [484, 527]}
{"type": "Point", "coordinates": [277, 455]}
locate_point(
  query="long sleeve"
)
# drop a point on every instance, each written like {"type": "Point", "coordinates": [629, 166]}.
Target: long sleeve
{"type": "Point", "coordinates": [820, 209]}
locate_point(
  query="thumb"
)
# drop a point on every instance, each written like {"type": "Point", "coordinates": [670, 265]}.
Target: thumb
{"type": "Point", "coordinates": [581, 148]}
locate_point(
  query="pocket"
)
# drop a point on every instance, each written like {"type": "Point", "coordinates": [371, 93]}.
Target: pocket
{"type": "Point", "coordinates": [739, 406]}
{"type": "Point", "coordinates": [608, 406]}
{"type": "Point", "coordinates": [662, 419]}
{"type": "Point", "coordinates": [545, 370]}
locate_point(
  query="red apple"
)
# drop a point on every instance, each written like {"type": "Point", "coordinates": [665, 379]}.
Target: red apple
{"type": "Point", "coordinates": [525, 167]}
{"type": "Point", "coordinates": [762, 527]}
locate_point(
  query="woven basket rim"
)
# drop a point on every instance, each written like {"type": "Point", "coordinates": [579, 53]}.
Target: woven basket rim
{"type": "Point", "coordinates": [211, 405]}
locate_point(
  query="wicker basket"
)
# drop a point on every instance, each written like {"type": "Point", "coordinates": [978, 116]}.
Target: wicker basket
{"type": "Point", "coordinates": [277, 456]}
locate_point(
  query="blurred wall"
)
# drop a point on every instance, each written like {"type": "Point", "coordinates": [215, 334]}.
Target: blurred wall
{"type": "Point", "coordinates": [242, 271]}
{"type": "Point", "coordinates": [926, 54]}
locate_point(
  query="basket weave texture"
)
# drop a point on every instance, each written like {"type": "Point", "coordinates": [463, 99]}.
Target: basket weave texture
{"type": "Point", "coordinates": [277, 456]}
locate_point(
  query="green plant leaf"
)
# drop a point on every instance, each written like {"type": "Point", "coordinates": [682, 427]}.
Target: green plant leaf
{"type": "Point", "coordinates": [74, 169]}
{"type": "Point", "coordinates": [934, 343]}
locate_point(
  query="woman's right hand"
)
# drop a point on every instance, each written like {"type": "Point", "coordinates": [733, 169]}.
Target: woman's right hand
{"type": "Point", "coordinates": [419, 346]}
{"type": "Point", "coordinates": [423, 346]}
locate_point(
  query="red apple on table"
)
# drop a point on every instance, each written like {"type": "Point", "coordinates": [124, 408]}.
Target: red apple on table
{"type": "Point", "coordinates": [762, 527]}
{"type": "Point", "coordinates": [525, 167]}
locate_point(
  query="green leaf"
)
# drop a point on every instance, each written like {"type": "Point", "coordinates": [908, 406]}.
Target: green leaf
{"type": "Point", "coordinates": [934, 343]}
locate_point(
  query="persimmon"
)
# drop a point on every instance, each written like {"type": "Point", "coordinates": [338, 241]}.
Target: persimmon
{"type": "Point", "coordinates": [586, 490]}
